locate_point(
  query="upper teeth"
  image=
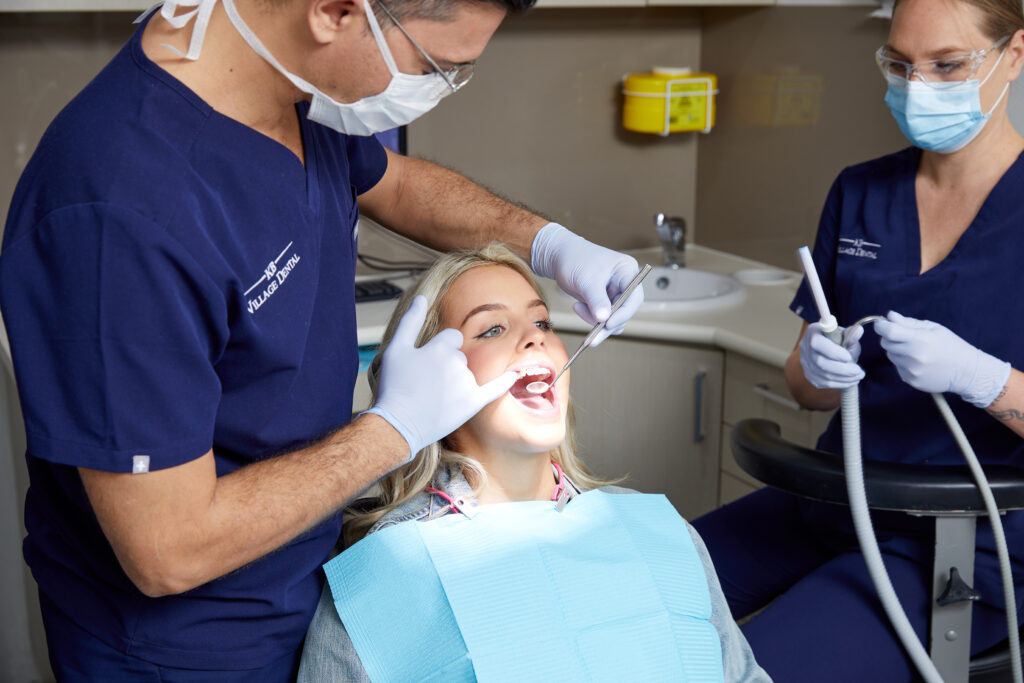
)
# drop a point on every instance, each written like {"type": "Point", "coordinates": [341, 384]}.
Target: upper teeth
{"type": "Point", "coordinates": [533, 371]}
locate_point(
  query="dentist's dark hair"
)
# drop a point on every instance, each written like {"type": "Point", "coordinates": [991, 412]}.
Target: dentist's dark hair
{"type": "Point", "coordinates": [441, 10]}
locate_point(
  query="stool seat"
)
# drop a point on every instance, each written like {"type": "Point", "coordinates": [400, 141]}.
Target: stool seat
{"type": "Point", "coordinates": [761, 451]}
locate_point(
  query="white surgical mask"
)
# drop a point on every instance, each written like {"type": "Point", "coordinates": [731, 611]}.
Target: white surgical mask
{"type": "Point", "coordinates": [406, 98]}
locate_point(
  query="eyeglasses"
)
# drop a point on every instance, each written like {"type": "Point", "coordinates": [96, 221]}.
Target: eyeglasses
{"type": "Point", "coordinates": [936, 73]}
{"type": "Point", "coordinates": [455, 77]}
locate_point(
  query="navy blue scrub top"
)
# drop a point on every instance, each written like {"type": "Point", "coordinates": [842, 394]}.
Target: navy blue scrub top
{"type": "Point", "coordinates": [868, 256]}
{"type": "Point", "coordinates": [171, 281]}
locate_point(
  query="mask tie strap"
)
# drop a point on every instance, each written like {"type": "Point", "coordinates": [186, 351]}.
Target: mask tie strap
{"type": "Point", "coordinates": [202, 13]}
{"type": "Point", "coordinates": [378, 35]}
{"type": "Point", "coordinates": [260, 49]}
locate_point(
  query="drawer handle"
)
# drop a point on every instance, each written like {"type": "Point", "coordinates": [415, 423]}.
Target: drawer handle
{"type": "Point", "coordinates": [765, 391]}
{"type": "Point", "coordinates": [698, 406]}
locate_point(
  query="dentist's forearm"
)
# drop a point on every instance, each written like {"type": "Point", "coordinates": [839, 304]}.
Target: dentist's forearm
{"type": "Point", "coordinates": [443, 210]}
{"type": "Point", "coordinates": [181, 527]}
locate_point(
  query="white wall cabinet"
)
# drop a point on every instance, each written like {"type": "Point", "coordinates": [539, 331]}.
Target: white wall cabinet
{"type": "Point", "coordinates": [74, 5]}
{"type": "Point", "coordinates": [753, 389]}
{"type": "Point", "coordinates": [651, 411]}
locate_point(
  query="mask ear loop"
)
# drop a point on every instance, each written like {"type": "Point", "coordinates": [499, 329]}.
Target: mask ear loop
{"type": "Point", "coordinates": [1006, 88]}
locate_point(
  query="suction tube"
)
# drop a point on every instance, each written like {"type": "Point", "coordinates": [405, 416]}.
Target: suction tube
{"type": "Point", "coordinates": [997, 531]}
{"type": "Point", "coordinates": [850, 407]}
{"type": "Point", "coordinates": [854, 465]}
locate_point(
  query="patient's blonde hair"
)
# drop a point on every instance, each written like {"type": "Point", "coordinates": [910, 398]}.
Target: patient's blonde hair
{"type": "Point", "coordinates": [408, 480]}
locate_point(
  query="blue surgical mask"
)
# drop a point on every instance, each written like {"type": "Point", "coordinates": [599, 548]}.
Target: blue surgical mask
{"type": "Point", "coordinates": [943, 119]}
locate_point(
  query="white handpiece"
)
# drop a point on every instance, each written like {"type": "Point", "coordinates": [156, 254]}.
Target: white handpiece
{"type": "Point", "coordinates": [829, 324]}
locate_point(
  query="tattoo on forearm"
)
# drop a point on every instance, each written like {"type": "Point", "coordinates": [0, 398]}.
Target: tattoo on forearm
{"type": "Point", "coordinates": [1004, 415]}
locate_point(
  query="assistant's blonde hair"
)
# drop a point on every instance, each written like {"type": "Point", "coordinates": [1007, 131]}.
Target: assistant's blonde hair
{"type": "Point", "coordinates": [402, 484]}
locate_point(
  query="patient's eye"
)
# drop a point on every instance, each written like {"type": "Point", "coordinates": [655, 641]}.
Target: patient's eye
{"type": "Point", "coordinates": [544, 325]}
{"type": "Point", "coordinates": [492, 331]}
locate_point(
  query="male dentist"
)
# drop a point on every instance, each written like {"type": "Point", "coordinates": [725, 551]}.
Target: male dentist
{"type": "Point", "coordinates": [177, 283]}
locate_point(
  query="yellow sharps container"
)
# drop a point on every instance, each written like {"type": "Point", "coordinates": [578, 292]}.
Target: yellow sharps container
{"type": "Point", "coordinates": [669, 100]}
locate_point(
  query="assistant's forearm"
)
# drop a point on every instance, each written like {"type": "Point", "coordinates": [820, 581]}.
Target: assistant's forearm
{"type": "Point", "coordinates": [1008, 407]}
{"type": "Point", "coordinates": [444, 210]}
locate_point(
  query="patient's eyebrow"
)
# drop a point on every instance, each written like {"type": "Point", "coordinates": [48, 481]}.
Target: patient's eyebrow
{"type": "Point", "coordinates": [498, 307]}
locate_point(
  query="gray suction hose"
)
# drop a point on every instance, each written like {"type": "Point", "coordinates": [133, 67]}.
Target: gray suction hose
{"type": "Point", "coordinates": [850, 407]}
{"type": "Point", "coordinates": [997, 531]}
{"type": "Point", "coordinates": [853, 460]}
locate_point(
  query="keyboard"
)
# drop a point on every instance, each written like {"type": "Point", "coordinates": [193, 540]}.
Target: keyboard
{"type": "Point", "coordinates": [376, 290]}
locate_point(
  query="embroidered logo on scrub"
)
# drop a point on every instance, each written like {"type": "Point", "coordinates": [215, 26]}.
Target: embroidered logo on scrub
{"type": "Point", "coordinates": [859, 248]}
{"type": "Point", "coordinates": [274, 275]}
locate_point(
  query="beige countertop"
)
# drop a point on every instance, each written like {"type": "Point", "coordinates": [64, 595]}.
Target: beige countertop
{"type": "Point", "coordinates": [761, 326]}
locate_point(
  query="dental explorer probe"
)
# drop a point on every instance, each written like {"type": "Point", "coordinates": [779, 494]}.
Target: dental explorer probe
{"type": "Point", "coordinates": [540, 387]}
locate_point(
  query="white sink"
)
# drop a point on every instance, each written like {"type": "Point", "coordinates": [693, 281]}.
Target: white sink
{"type": "Point", "coordinates": [686, 290]}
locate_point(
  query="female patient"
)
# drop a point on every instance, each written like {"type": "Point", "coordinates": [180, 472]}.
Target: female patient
{"type": "Point", "coordinates": [518, 448]}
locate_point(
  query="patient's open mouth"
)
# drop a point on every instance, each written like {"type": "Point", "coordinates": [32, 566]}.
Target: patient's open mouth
{"type": "Point", "coordinates": [528, 399]}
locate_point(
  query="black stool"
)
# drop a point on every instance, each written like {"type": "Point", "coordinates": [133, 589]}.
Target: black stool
{"type": "Point", "coordinates": [946, 492]}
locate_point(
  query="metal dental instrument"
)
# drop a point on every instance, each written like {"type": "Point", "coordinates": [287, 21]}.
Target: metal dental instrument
{"type": "Point", "coordinates": [541, 387]}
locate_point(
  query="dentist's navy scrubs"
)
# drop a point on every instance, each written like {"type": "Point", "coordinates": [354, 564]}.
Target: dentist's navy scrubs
{"type": "Point", "coordinates": [172, 280]}
{"type": "Point", "coordinates": [768, 545]}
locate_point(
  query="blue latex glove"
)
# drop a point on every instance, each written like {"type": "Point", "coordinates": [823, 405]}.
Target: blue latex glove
{"type": "Point", "coordinates": [929, 357]}
{"type": "Point", "coordinates": [427, 393]}
{"type": "Point", "coordinates": [592, 274]}
{"type": "Point", "coordinates": [828, 365]}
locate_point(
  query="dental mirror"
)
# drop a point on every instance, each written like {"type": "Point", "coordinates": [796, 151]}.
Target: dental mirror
{"type": "Point", "coordinates": [541, 387]}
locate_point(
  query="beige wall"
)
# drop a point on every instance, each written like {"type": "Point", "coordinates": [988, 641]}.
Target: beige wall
{"type": "Point", "coordinates": [801, 98]}
{"type": "Point", "coordinates": [45, 58]}
{"type": "Point", "coordinates": [540, 122]}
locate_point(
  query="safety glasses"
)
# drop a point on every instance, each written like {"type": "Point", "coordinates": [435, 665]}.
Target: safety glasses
{"type": "Point", "coordinates": [936, 73]}
{"type": "Point", "coordinates": [455, 77]}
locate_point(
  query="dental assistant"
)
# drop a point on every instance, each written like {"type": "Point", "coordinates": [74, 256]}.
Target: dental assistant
{"type": "Point", "coordinates": [177, 284]}
{"type": "Point", "coordinates": [931, 237]}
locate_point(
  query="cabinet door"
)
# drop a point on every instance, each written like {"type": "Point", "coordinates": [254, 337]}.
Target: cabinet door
{"type": "Point", "coordinates": [754, 389]}
{"type": "Point", "coordinates": [651, 412]}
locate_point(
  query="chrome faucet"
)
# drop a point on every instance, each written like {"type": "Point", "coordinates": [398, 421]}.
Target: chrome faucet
{"type": "Point", "coordinates": [672, 233]}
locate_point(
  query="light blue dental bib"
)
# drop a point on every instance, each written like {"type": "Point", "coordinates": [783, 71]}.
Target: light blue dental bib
{"type": "Point", "coordinates": [609, 588]}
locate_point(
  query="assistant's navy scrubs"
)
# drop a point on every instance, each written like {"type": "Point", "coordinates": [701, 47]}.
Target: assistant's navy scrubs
{"type": "Point", "coordinates": [827, 623]}
{"type": "Point", "coordinates": [172, 281]}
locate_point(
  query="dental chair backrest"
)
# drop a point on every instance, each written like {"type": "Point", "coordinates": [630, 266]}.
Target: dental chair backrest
{"type": "Point", "coordinates": [948, 493]}
{"type": "Point", "coordinates": [22, 643]}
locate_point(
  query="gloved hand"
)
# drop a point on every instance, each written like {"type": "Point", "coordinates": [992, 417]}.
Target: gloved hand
{"type": "Point", "coordinates": [592, 274]}
{"type": "Point", "coordinates": [929, 357]}
{"type": "Point", "coordinates": [828, 365]}
{"type": "Point", "coordinates": [426, 393]}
